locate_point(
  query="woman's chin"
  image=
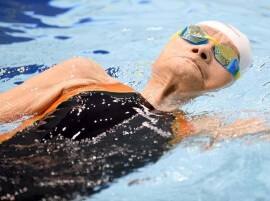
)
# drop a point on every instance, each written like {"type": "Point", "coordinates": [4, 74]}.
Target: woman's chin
{"type": "Point", "coordinates": [189, 82]}
{"type": "Point", "coordinates": [188, 69]}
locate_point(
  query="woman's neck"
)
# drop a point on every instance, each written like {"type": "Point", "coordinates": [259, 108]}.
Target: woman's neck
{"type": "Point", "coordinates": [162, 95]}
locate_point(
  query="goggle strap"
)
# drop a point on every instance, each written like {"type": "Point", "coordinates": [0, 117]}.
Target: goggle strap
{"type": "Point", "coordinates": [175, 35]}
{"type": "Point", "coordinates": [237, 75]}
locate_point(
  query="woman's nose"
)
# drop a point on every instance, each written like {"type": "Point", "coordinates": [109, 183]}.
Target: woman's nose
{"type": "Point", "coordinates": [203, 53]}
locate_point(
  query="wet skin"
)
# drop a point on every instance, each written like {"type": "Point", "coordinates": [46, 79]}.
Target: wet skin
{"type": "Point", "coordinates": [184, 70]}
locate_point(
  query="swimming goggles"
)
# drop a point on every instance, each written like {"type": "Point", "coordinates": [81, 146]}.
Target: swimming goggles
{"type": "Point", "coordinates": [224, 54]}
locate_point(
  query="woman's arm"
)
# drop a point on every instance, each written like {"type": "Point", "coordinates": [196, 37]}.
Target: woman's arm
{"type": "Point", "coordinates": [215, 127]}
{"type": "Point", "coordinates": [38, 93]}
{"type": "Point", "coordinates": [218, 130]}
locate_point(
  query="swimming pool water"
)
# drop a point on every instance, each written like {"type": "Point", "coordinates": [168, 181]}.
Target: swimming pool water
{"type": "Point", "coordinates": [125, 36]}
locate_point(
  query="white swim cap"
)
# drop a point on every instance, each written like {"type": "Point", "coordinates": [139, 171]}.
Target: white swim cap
{"type": "Point", "coordinates": [239, 39]}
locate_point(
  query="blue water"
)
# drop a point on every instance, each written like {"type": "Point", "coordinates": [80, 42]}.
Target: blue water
{"type": "Point", "coordinates": [125, 36]}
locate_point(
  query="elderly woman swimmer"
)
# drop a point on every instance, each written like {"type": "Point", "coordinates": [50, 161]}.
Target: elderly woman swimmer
{"type": "Point", "coordinates": [200, 58]}
{"type": "Point", "coordinates": [85, 128]}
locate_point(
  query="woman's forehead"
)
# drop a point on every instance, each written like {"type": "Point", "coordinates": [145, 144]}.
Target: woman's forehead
{"type": "Point", "coordinates": [222, 38]}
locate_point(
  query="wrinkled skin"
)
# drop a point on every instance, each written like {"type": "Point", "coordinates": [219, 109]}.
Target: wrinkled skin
{"type": "Point", "coordinates": [184, 70]}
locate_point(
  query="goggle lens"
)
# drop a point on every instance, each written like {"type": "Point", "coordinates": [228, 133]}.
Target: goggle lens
{"type": "Point", "coordinates": [194, 35]}
{"type": "Point", "coordinates": [224, 54]}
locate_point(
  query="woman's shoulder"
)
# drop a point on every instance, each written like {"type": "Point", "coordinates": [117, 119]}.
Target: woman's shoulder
{"type": "Point", "coordinates": [85, 68]}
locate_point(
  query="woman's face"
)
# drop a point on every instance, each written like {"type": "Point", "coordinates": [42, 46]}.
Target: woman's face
{"type": "Point", "coordinates": [192, 69]}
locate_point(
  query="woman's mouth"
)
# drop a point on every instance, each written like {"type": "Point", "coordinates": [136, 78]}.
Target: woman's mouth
{"type": "Point", "coordinates": [197, 66]}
